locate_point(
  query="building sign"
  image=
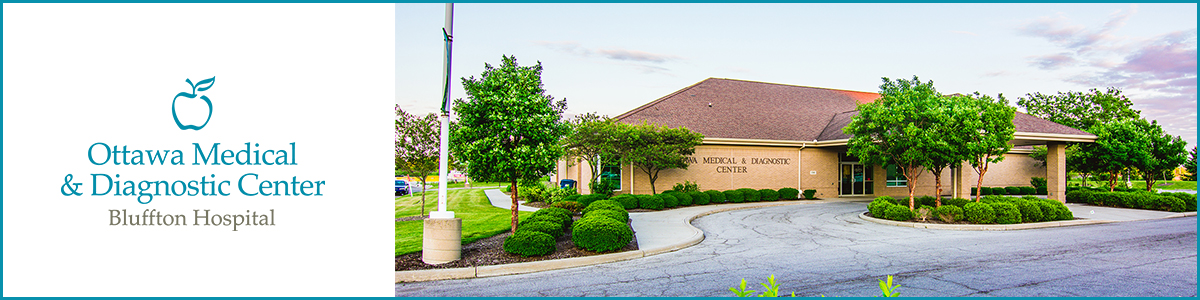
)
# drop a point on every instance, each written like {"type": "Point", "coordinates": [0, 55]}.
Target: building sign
{"type": "Point", "coordinates": [728, 164]}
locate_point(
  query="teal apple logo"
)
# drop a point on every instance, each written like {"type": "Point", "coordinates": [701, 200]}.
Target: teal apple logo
{"type": "Point", "coordinates": [192, 117]}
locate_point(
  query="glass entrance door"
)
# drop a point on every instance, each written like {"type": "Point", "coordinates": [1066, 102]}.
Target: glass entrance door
{"type": "Point", "coordinates": [855, 180]}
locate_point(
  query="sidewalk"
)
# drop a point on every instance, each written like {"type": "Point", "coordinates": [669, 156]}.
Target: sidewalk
{"type": "Point", "coordinates": [499, 199]}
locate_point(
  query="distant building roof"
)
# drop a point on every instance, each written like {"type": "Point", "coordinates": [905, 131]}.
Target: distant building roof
{"type": "Point", "coordinates": [740, 109]}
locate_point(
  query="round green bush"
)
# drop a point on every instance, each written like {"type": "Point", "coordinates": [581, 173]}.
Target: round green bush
{"type": "Point", "coordinates": [1041, 190]}
{"type": "Point", "coordinates": [553, 229]}
{"type": "Point", "coordinates": [878, 206]}
{"type": "Point", "coordinates": [627, 201]}
{"type": "Point", "coordinates": [898, 213]}
{"type": "Point", "coordinates": [1012, 190]}
{"type": "Point", "coordinates": [769, 194]}
{"type": "Point", "coordinates": [999, 191]}
{"type": "Point", "coordinates": [926, 201]}
{"type": "Point", "coordinates": [572, 198]}
{"type": "Point", "coordinates": [715, 196]}
{"type": "Point", "coordinates": [699, 198]}
{"type": "Point", "coordinates": [734, 196]}
{"type": "Point", "coordinates": [572, 206]}
{"type": "Point", "coordinates": [563, 216]}
{"type": "Point", "coordinates": [1061, 212]}
{"type": "Point", "coordinates": [542, 218]}
{"type": "Point", "coordinates": [750, 195]}
{"type": "Point", "coordinates": [956, 202]}
{"type": "Point", "coordinates": [650, 202]}
{"type": "Point", "coordinates": [984, 191]}
{"type": "Point", "coordinates": [810, 194]}
{"type": "Point", "coordinates": [600, 234]}
{"type": "Point", "coordinates": [669, 200]}
{"type": "Point", "coordinates": [948, 213]}
{"type": "Point", "coordinates": [684, 198]}
{"type": "Point", "coordinates": [603, 204]}
{"type": "Point", "coordinates": [621, 216]}
{"type": "Point", "coordinates": [789, 194]}
{"type": "Point", "coordinates": [1028, 190]}
{"type": "Point", "coordinates": [529, 243]}
{"type": "Point", "coordinates": [1006, 213]}
{"type": "Point", "coordinates": [979, 213]}
{"type": "Point", "coordinates": [890, 199]}
{"type": "Point", "coordinates": [588, 199]}
{"type": "Point", "coordinates": [1030, 211]}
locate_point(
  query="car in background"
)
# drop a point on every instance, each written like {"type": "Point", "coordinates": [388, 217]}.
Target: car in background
{"type": "Point", "coordinates": [402, 187]}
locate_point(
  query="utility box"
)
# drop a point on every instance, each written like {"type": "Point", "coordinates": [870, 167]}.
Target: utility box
{"type": "Point", "coordinates": [567, 184]}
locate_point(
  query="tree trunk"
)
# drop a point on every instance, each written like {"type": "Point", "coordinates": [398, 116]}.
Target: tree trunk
{"type": "Point", "coordinates": [937, 183]}
{"type": "Point", "coordinates": [422, 198]}
{"type": "Point", "coordinates": [514, 205]}
{"type": "Point", "coordinates": [1112, 180]}
{"type": "Point", "coordinates": [1150, 180]}
{"type": "Point", "coordinates": [979, 184]}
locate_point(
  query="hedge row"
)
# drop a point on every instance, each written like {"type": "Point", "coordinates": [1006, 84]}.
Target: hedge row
{"type": "Point", "coordinates": [1012, 190]}
{"type": "Point", "coordinates": [672, 198]}
{"type": "Point", "coordinates": [990, 209]}
{"type": "Point", "coordinates": [1176, 202]}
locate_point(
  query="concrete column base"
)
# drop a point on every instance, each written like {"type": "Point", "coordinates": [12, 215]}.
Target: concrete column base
{"type": "Point", "coordinates": [442, 241]}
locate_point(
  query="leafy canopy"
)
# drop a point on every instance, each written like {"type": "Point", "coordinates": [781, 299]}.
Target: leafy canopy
{"type": "Point", "coordinates": [652, 148]}
{"type": "Point", "coordinates": [1078, 109]}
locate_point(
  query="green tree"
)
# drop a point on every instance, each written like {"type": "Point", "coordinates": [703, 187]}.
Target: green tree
{"type": "Point", "coordinates": [417, 147]}
{"type": "Point", "coordinates": [897, 129]}
{"type": "Point", "coordinates": [592, 138]}
{"type": "Point", "coordinates": [988, 128]}
{"type": "Point", "coordinates": [651, 148]}
{"type": "Point", "coordinates": [1166, 153]}
{"type": "Point", "coordinates": [944, 147]}
{"type": "Point", "coordinates": [1119, 146]}
{"type": "Point", "coordinates": [1078, 109]}
{"type": "Point", "coordinates": [1190, 166]}
{"type": "Point", "coordinates": [508, 128]}
{"type": "Point", "coordinates": [1039, 155]}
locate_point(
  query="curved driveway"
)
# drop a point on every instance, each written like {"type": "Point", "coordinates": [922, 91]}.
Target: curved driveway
{"type": "Point", "coordinates": [817, 249]}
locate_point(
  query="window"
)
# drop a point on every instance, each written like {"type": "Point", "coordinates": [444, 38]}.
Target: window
{"type": "Point", "coordinates": [611, 173]}
{"type": "Point", "coordinates": [894, 178]}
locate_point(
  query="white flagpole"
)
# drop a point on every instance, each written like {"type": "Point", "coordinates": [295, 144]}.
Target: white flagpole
{"type": "Point", "coordinates": [443, 168]}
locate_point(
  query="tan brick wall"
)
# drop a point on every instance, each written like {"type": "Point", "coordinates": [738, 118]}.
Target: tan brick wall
{"type": "Point", "coordinates": [718, 167]}
{"type": "Point", "coordinates": [1015, 170]}
{"type": "Point", "coordinates": [824, 163]}
{"type": "Point", "coordinates": [926, 185]}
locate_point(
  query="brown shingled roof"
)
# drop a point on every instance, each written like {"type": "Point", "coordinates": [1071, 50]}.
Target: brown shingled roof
{"type": "Point", "coordinates": [739, 109]}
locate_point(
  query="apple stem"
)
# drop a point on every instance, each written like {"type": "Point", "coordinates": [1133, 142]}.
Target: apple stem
{"type": "Point", "coordinates": [189, 82]}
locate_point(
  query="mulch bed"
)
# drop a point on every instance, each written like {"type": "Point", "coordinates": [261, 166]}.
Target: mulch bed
{"type": "Point", "coordinates": [490, 251]}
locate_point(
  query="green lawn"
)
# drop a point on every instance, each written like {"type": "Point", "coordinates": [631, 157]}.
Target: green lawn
{"type": "Point", "coordinates": [1174, 185]}
{"type": "Point", "coordinates": [473, 184]}
{"type": "Point", "coordinates": [480, 218]}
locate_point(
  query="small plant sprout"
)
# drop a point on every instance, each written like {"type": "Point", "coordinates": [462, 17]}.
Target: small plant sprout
{"type": "Point", "coordinates": [741, 290]}
{"type": "Point", "coordinates": [888, 289]}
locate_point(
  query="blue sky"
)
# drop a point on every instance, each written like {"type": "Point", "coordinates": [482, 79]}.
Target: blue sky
{"type": "Point", "coordinates": [610, 58]}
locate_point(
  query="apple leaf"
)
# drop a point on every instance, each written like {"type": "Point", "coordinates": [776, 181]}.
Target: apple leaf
{"type": "Point", "coordinates": [206, 84]}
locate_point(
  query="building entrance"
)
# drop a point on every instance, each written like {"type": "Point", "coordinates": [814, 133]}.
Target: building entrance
{"type": "Point", "coordinates": [855, 180]}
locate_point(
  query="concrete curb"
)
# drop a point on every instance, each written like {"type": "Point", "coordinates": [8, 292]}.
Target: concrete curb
{"type": "Point", "coordinates": [694, 237]}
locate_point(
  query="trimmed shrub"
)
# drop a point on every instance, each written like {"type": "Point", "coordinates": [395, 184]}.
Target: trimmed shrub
{"type": "Point", "coordinates": [572, 206]}
{"type": "Point", "coordinates": [878, 206]}
{"type": "Point", "coordinates": [650, 202]}
{"type": "Point", "coordinates": [898, 213]}
{"type": "Point", "coordinates": [810, 194]}
{"type": "Point", "coordinates": [620, 216]}
{"type": "Point", "coordinates": [686, 186]}
{"type": "Point", "coordinates": [529, 243]}
{"type": "Point", "coordinates": [541, 218]}
{"type": "Point", "coordinates": [750, 195]}
{"type": "Point", "coordinates": [888, 199]}
{"type": "Point", "coordinates": [1012, 190]}
{"type": "Point", "coordinates": [1041, 190]}
{"type": "Point", "coordinates": [1030, 212]}
{"type": "Point", "coordinates": [789, 194]}
{"type": "Point", "coordinates": [1028, 190]}
{"type": "Point", "coordinates": [572, 198]}
{"type": "Point", "coordinates": [979, 213]}
{"type": "Point", "coordinates": [984, 191]}
{"type": "Point", "coordinates": [1047, 209]}
{"type": "Point", "coordinates": [603, 204]}
{"type": "Point", "coordinates": [999, 191]}
{"type": "Point", "coordinates": [1037, 182]}
{"type": "Point", "coordinates": [715, 196]}
{"type": "Point", "coordinates": [555, 230]}
{"type": "Point", "coordinates": [699, 198]}
{"type": "Point", "coordinates": [734, 196]}
{"type": "Point", "coordinates": [684, 198]}
{"type": "Point", "coordinates": [627, 201]}
{"type": "Point", "coordinates": [956, 202]}
{"type": "Point", "coordinates": [564, 216]}
{"type": "Point", "coordinates": [1189, 200]}
{"type": "Point", "coordinates": [1167, 203]}
{"type": "Point", "coordinates": [926, 201]}
{"type": "Point", "coordinates": [974, 190]}
{"type": "Point", "coordinates": [587, 200]}
{"type": "Point", "coordinates": [769, 194]}
{"type": "Point", "coordinates": [948, 213]}
{"type": "Point", "coordinates": [1006, 213]}
{"type": "Point", "coordinates": [600, 234]}
{"type": "Point", "coordinates": [1057, 211]}
{"type": "Point", "coordinates": [669, 200]}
